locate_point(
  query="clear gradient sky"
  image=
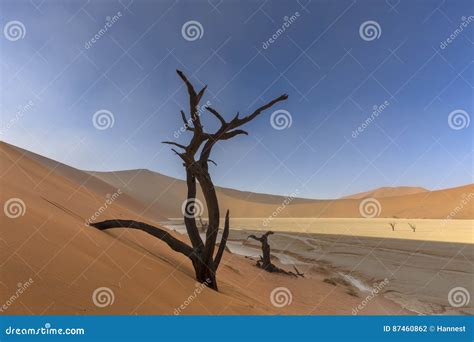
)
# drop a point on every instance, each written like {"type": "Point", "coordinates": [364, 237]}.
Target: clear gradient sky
{"type": "Point", "coordinates": [333, 76]}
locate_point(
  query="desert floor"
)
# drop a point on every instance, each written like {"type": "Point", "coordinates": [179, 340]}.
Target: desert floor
{"type": "Point", "coordinates": [50, 243]}
{"type": "Point", "coordinates": [420, 271]}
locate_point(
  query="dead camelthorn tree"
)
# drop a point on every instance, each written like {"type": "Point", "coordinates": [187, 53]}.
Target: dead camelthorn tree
{"type": "Point", "coordinates": [196, 159]}
{"type": "Point", "coordinates": [265, 262]}
{"type": "Point", "coordinates": [412, 226]}
{"type": "Point", "coordinates": [392, 224]}
{"type": "Point", "coordinates": [202, 225]}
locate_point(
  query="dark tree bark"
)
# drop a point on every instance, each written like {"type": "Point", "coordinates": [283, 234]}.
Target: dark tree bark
{"type": "Point", "coordinates": [196, 165]}
{"type": "Point", "coordinates": [265, 262]}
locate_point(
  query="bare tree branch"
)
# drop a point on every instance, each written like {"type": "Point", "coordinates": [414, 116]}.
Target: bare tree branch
{"type": "Point", "coordinates": [193, 101]}
{"type": "Point", "coordinates": [217, 115]}
{"type": "Point", "coordinates": [186, 81]}
{"type": "Point", "coordinates": [201, 253]}
{"type": "Point", "coordinates": [175, 244]}
{"type": "Point", "coordinates": [174, 143]}
{"type": "Point", "coordinates": [201, 93]}
{"type": "Point", "coordinates": [185, 120]}
{"type": "Point", "coordinates": [225, 235]}
{"type": "Point", "coordinates": [252, 116]}
{"type": "Point", "coordinates": [232, 134]}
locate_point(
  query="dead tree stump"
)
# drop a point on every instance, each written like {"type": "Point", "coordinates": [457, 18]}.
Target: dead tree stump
{"type": "Point", "coordinates": [265, 262]}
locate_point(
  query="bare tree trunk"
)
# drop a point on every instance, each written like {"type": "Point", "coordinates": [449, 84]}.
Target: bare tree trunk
{"type": "Point", "coordinates": [200, 253]}
{"type": "Point", "coordinates": [189, 219]}
{"type": "Point", "coordinates": [265, 262]}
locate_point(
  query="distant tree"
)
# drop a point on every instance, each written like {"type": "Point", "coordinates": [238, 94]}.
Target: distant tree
{"type": "Point", "coordinates": [412, 226]}
{"type": "Point", "coordinates": [196, 159]}
{"type": "Point", "coordinates": [392, 224]}
{"type": "Point", "coordinates": [265, 259]}
{"type": "Point", "coordinates": [202, 225]}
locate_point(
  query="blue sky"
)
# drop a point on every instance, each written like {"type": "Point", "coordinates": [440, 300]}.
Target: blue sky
{"type": "Point", "coordinates": [333, 76]}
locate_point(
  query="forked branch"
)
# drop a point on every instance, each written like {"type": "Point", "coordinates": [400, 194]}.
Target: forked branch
{"type": "Point", "coordinates": [201, 252]}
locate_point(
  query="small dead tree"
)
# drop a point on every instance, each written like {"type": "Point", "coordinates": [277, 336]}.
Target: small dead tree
{"type": "Point", "coordinates": [265, 262]}
{"type": "Point", "coordinates": [196, 159]}
{"type": "Point", "coordinates": [392, 224]}
{"type": "Point", "coordinates": [412, 226]}
{"type": "Point", "coordinates": [202, 225]}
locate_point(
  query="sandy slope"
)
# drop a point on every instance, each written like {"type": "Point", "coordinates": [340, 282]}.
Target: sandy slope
{"type": "Point", "coordinates": [387, 192]}
{"type": "Point", "coordinates": [165, 194]}
{"type": "Point", "coordinates": [157, 196]}
{"type": "Point", "coordinates": [86, 181]}
{"type": "Point", "coordinates": [67, 260]}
